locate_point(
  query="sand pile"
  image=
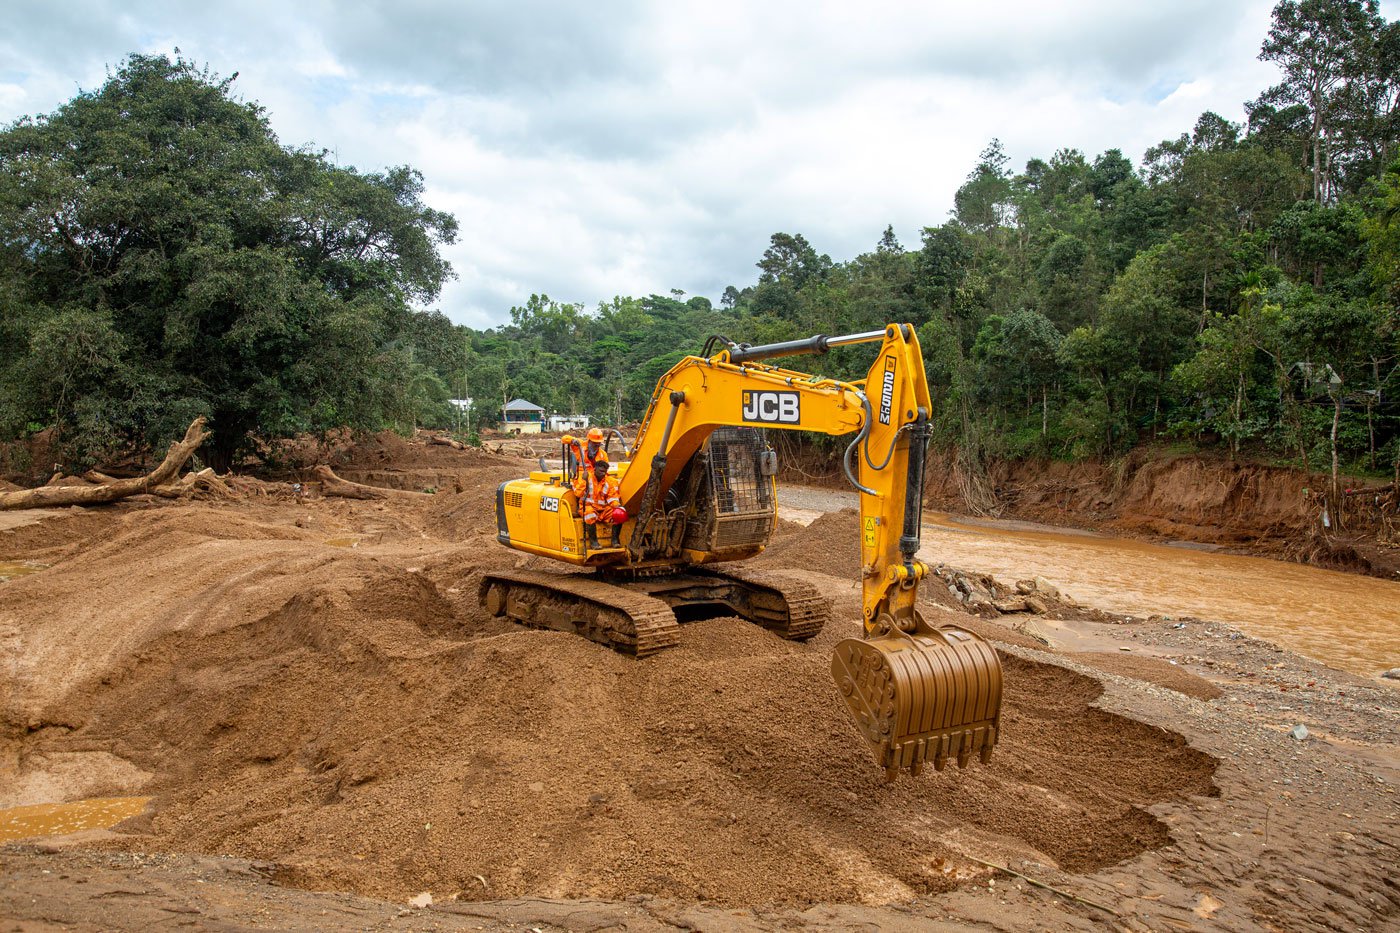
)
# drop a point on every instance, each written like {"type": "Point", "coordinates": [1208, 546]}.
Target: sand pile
{"type": "Point", "coordinates": [349, 714]}
{"type": "Point", "coordinates": [831, 544]}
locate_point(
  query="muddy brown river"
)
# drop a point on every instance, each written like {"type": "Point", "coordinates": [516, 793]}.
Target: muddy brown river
{"type": "Point", "coordinates": [1351, 622]}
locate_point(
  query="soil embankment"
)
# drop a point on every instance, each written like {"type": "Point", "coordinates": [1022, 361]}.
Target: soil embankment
{"type": "Point", "coordinates": [1249, 507]}
{"type": "Point", "coordinates": [307, 687]}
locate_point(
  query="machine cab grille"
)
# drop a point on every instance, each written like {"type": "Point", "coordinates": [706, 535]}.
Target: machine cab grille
{"type": "Point", "coordinates": [737, 511]}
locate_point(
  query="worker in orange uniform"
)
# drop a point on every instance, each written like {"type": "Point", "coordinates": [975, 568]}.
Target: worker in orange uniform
{"type": "Point", "coordinates": [589, 453]}
{"type": "Point", "coordinates": [601, 499]}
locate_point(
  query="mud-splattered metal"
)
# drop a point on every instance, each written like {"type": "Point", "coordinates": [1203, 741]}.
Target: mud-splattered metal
{"type": "Point", "coordinates": [928, 696]}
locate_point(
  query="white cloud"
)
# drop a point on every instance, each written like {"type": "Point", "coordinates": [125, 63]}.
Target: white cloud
{"type": "Point", "coordinates": [12, 98]}
{"type": "Point", "coordinates": [590, 151]}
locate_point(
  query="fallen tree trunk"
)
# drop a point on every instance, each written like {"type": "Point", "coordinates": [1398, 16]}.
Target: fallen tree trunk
{"type": "Point", "coordinates": [46, 496]}
{"type": "Point", "coordinates": [332, 485]}
{"type": "Point", "coordinates": [205, 479]}
{"type": "Point", "coordinates": [446, 442]}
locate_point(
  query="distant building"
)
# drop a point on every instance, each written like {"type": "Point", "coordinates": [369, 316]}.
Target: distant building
{"type": "Point", "coordinates": [568, 422]}
{"type": "Point", "coordinates": [461, 404]}
{"type": "Point", "coordinates": [522, 417]}
{"type": "Point", "coordinates": [1316, 376]}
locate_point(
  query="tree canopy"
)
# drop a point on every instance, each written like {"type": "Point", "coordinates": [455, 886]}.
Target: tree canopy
{"type": "Point", "coordinates": [163, 256]}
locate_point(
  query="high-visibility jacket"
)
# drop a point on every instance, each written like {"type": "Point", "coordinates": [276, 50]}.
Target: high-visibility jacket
{"type": "Point", "coordinates": [598, 497]}
{"type": "Point", "coordinates": [584, 459]}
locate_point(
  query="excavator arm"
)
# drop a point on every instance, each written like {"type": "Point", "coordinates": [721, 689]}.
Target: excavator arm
{"type": "Point", "coordinates": [917, 693]}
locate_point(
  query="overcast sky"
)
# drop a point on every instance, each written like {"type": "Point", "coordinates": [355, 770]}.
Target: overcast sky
{"type": "Point", "coordinates": [630, 148]}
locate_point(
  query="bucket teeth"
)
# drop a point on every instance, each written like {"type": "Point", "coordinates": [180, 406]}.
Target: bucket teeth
{"type": "Point", "coordinates": [930, 696]}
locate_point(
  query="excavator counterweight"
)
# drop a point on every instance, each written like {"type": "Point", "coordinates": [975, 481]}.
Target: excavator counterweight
{"type": "Point", "coordinates": [699, 491]}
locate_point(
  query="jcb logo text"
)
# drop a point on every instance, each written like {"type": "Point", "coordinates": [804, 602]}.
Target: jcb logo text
{"type": "Point", "coordinates": [773, 407]}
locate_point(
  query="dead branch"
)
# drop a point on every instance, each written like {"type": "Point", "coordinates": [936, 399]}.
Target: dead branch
{"type": "Point", "coordinates": [46, 496]}
{"type": "Point", "coordinates": [203, 481]}
{"type": "Point", "coordinates": [332, 485]}
{"type": "Point", "coordinates": [1042, 884]}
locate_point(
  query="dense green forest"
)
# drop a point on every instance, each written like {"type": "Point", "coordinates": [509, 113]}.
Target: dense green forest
{"type": "Point", "coordinates": [162, 255]}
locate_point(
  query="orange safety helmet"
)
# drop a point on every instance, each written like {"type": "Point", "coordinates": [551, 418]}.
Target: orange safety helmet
{"type": "Point", "coordinates": [596, 435]}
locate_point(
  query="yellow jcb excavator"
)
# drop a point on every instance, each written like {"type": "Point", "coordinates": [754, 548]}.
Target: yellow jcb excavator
{"type": "Point", "coordinates": [700, 490]}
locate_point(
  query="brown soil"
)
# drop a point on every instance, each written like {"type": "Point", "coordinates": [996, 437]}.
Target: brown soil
{"type": "Point", "coordinates": [1249, 507]}
{"type": "Point", "coordinates": [1152, 671]}
{"type": "Point", "coordinates": [831, 544]}
{"type": "Point", "coordinates": [310, 685]}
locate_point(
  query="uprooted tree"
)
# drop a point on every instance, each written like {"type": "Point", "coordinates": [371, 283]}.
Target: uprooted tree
{"type": "Point", "coordinates": [110, 490]}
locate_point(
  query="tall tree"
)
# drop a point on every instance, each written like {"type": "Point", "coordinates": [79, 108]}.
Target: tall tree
{"type": "Point", "coordinates": [983, 202]}
{"type": "Point", "coordinates": [231, 277]}
{"type": "Point", "coordinates": [1316, 43]}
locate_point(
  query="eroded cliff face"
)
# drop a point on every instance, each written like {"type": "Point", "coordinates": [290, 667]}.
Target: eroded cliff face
{"type": "Point", "coordinates": [1265, 509]}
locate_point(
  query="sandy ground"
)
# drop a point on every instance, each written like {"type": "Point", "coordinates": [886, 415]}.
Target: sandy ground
{"type": "Point", "coordinates": [330, 728]}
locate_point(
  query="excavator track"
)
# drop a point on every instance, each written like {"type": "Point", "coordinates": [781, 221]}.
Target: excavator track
{"type": "Point", "coordinates": [624, 620]}
{"type": "Point", "coordinates": [784, 605]}
{"type": "Point", "coordinates": [638, 615]}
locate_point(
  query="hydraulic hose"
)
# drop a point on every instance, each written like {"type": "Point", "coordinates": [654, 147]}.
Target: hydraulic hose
{"type": "Point", "coordinates": [914, 492]}
{"type": "Point", "coordinates": [714, 339]}
{"type": "Point", "coordinates": [860, 436]}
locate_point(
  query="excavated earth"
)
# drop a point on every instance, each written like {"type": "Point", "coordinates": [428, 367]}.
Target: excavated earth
{"type": "Point", "coordinates": [329, 728]}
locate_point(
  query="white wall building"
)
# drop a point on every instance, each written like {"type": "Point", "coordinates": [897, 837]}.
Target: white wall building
{"type": "Point", "coordinates": [568, 422]}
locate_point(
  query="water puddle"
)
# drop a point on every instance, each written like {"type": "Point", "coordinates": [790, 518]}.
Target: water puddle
{"type": "Point", "coordinates": [58, 819]}
{"type": "Point", "coordinates": [9, 570]}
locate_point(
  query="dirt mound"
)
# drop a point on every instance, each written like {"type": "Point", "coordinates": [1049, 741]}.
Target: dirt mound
{"type": "Point", "coordinates": [1153, 671]}
{"type": "Point", "coordinates": [416, 465]}
{"type": "Point", "coordinates": [830, 544]}
{"type": "Point", "coordinates": [469, 513]}
{"type": "Point", "coordinates": [157, 571]}
{"type": "Point", "coordinates": [350, 714]}
{"type": "Point", "coordinates": [29, 534]}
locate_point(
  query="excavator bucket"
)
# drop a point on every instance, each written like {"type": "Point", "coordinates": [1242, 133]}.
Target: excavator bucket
{"type": "Point", "coordinates": [927, 696]}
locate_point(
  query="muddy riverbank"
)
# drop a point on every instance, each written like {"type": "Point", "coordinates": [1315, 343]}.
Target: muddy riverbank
{"type": "Point", "coordinates": [1349, 621]}
{"type": "Point", "coordinates": [1156, 494]}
